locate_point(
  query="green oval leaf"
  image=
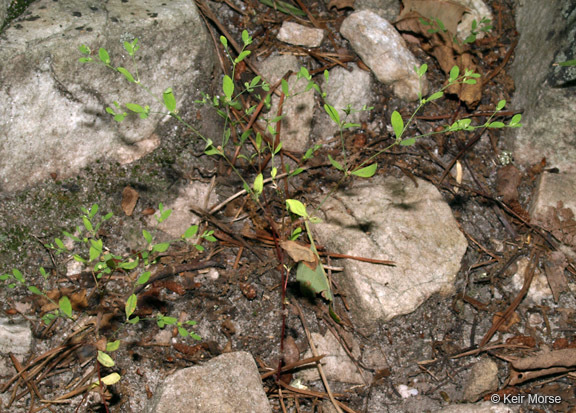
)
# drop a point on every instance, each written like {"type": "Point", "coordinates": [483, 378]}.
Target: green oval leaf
{"type": "Point", "coordinates": [131, 305]}
{"type": "Point", "coordinates": [366, 172]}
{"type": "Point", "coordinates": [228, 87]}
{"type": "Point", "coordinates": [103, 55]}
{"type": "Point", "coordinates": [65, 306]}
{"type": "Point", "coordinates": [397, 124]}
{"type": "Point", "coordinates": [105, 359]}
{"type": "Point", "coordinates": [143, 279]}
{"type": "Point", "coordinates": [169, 100]}
{"type": "Point", "coordinates": [296, 207]}
{"type": "Point", "coordinates": [126, 74]}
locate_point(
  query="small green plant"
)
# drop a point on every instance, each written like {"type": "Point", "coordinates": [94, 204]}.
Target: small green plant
{"type": "Point", "coordinates": [437, 26]}
{"type": "Point", "coordinates": [103, 264]}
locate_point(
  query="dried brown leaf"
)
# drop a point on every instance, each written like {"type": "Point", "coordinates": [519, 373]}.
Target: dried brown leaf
{"type": "Point", "coordinates": [341, 4]}
{"type": "Point", "coordinates": [448, 12]}
{"type": "Point", "coordinates": [556, 358]}
{"type": "Point", "coordinates": [129, 198]}
{"type": "Point", "coordinates": [298, 252]}
{"type": "Point", "coordinates": [507, 182]}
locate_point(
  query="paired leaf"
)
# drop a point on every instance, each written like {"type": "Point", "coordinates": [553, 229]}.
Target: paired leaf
{"type": "Point", "coordinates": [366, 172]}
{"type": "Point", "coordinates": [169, 100]}
{"type": "Point", "coordinates": [296, 207]}
{"type": "Point", "coordinates": [397, 124]}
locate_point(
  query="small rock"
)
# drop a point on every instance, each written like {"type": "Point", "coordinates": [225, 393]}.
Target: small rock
{"type": "Point", "coordinates": [297, 34]}
{"type": "Point", "coordinates": [552, 188]}
{"type": "Point", "coordinates": [384, 51]}
{"type": "Point", "coordinates": [298, 111]}
{"type": "Point", "coordinates": [229, 383]}
{"type": "Point", "coordinates": [15, 336]}
{"type": "Point", "coordinates": [193, 195]}
{"type": "Point", "coordinates": [483, 379]}
{"type": "Point", "coordinates": [539, 288]}
{"type": "Point", "coordinates": [392, 219]}
{"type": "Point", "coordinates": [476, 11]}
{"type": "Point", "coordinates": [337, 364]}
{"type": "Point", "coordinates": [484, 407]}
{"type": "Point", "coordinates": [344, 88]}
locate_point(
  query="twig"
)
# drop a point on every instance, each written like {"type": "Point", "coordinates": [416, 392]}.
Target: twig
{"type": "Point", "coordinates": [315, 353]}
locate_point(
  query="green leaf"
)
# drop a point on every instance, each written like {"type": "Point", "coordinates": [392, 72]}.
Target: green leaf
{"type": "Point", "coordinates": [314, 280]}
{"type": "Point", "coordinates": [335, 163]}
{"type": "Point", "coordinates": [407, 142]}
{"type": "Point", "coordinates": [105, 359]}
{"type": "Point", "coordinates": [18, 275]}
{"type": "Point", "coordinates": [228, 87]}
{"type": "Point", "coordinates": [131, 305]}
{"type": "Point", "coordinates": [366, 172]}
{"type": "Point", "coordinates": [190, 232]}
{"type": "Point", "coordinates": [87, 224]}
{"type": "Point", "coordinates": [134, 107]}
{"type": "Point", "coordinates": [397, 124]}
{"type": "Point", "coordinates": [435, 96]}
{"type": "Point", "coordinates": [567, 63]}
{"type": "Point", "coordinates": [469, 81]}
{"type": "Point", "coordinates": [34, 290]}
{"type": "Point", "coordinates": [110, 379]}
{"type": "Point", "coordinates": [130, 265]}
{"type": "Point", "coordinates": [496, 125]}
{"type": "Point", "coordinates": [126, 74]}
{"type": "Point", "coordinates": [421, 71]}
{"type": "Point", "coordinates": [133, 320]}
{"type": "Point", "coordinates": [242, 56]}
{"type": "Point", "coordinates": [65, 306]}
{"type": "Point", "coordinates": [169, 100]}
{"type": "Point", "coordinates": [143, 279]}
{"type": "Point", "coordinates": [500, 105]}
{"type": "Point", "coordinates": [246, 38]}
{"type": "Point", "coordinates": [258, 184]}
{"type": "Point", "coordinates": [147, 236]}
{"type": "Point", "coordinates": [103, 55]}
{"type": "Point", "coordinates": [183, 332]}
{"type": "Point", "coordinates": [85, 59]}
{"type": "Point", "coordinates": [285, 87]}
{"type": "Point", "coordinates": [454, 73]}
{"type": "Point", "coordinates": [43, 273]}
{"type": "Point", "coordinates": [515, 121]}
{"type": "Point", "coordinates": [224, 42]}
{"type": "Point", "coordinates": [333, 113]}
{"type": "Point", "coordinates": [84, 49]}
{"type": "Point", "coordinates": [163, 246]}
{"type": "Point", "coordinates": [296, 207]}
{"type": "Point", "coordinates": [113, 345]}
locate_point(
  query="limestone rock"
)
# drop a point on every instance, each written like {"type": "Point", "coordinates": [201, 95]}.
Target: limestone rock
{"type": "Point", "coordinates": [483, 379]}
{"type": "Point", "coordinates": [546, 29]}
{"type": "Point", "coordinates": [297, 34]}
{"type": "Point", "coordinates": [15, 336]}
{"type": "Point", "coordinates": [229, 383]}
{"type": "Point", "coordinates": [392, 219]}
{"type": "Point", "coordinates": [342, 89]}
{"type": "Point", "coordinates": [384, 51]}
{"type": "Point", "coordinates": [52, 115]}
{"type": "Point", "coordinates": [298, 110]}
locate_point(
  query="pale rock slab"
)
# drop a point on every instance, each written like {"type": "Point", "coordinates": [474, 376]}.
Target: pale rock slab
{"type": "Point", "coordinates": [336, 364]}
{"type": "Point", "coordinates": [344, 88]}
{"type": "Point", "coordinates": [483, 379]}
{"type": "Point", "coordinates": [547, 35]}
{"type": "Point", "coordinates": [552, 188]}
{"type": "Point", "coordinates": [52, 107]}
{"type": "Point", "coordinates": [298, 110]}
{"type": "Point", "coordinates": [384, 51]}
{"type": "Point", "coordinates": [392, 219]}
{"type": "Point", "coordinates": [229, 383]}
{"type": "Point", "coordinates": [297, 34]}
{"type": "Point", "coordinates": [15, 336]}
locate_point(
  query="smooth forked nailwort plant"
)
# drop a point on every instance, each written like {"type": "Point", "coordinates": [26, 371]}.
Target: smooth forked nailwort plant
{"type": "Point", "coordinates": [235, 117]}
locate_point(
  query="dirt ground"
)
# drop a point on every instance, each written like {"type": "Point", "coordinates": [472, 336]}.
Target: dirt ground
{"type": "Point", "coordinates": [431, 350]}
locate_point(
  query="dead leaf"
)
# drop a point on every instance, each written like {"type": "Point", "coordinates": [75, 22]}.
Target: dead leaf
{"type": "Point", "coordinates": [341, 4]}
{"type": "Point", "coordinates": [507, 182]}
{"type": "Point", "coordinates": [448, 12]}
{"type": "Point", "coordinates": [514, 318]}
{"type": "Point", "coordinates": [129, 198]}
{"type": "Point", "coordinates": [298, 252]}
{"type": "Point", "coordinates": [556, 358]}
{"type": "Point", "coordinates": [77, 299]}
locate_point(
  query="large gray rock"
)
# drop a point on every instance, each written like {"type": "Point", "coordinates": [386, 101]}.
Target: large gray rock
{"type": "Point", "coordinates": [4, 4]}
{"type": "Point", "coordinates": [384, 51]}
{"type": "Point", "coordinates": [392, 219]}
{"type": "Point", "coordinates": [52, 110]}
{"type": "Point", "coordinates": [229, 383]}
{"type": "Point", "coordinates": [546, 30]}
